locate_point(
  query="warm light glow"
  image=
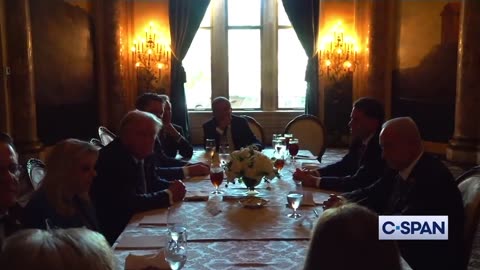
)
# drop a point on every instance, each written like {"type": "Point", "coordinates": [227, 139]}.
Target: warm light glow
{"type": "Point", "coordinates": [151, 50]}
{"type": "Point", "coordinates": [338, 51]}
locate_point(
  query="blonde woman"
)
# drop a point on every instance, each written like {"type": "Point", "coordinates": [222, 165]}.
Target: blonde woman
{"type": "Point", "coordinates": [72, 249]}
{"type": "Point", "coordinates": [346, 238]}
{"type": "Point", "coordinates": [62, 200]}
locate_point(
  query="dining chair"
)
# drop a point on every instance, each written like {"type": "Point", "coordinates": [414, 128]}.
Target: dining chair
{"type": "Point", "coordinates": [36, 170]}
{"type": "Point", "coordinates": [310, 132]}
{"type": "Point", "coordinates": [106, 136]}
{"type": "Point", "coordinates": [256, 128]}
{"type": "Point", "coordinates": [469, 186]}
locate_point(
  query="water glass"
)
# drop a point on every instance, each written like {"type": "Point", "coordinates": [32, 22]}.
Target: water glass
{"type": "Point", "coordinates": [176, 248]}
{"type": "Point", "coordinates": [294, 199]}
{"type": "Point", "coordinates": [210, 146]}
{"type": "Point", "coordinates": [224, 154]}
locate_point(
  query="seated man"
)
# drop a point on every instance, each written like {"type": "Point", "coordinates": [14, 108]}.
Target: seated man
{"type": "Point", "coordinates": [124, 186]}
{"type": "Point", "coordinates": [169, 140]}
{"type": "Point", "coordinates": [227, 128]}
{"type": "Point", "coordinates": [417, 185]}
{"type": "Point", "coordinates": [363, 163]}
{"type": "Point", "coordinates": [9, 186]}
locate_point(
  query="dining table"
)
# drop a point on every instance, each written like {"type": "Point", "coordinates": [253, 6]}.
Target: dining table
{"type": "Point", "coordinates": [223, 233]}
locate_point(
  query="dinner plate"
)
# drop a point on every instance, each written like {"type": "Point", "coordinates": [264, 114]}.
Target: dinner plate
{"type": "Point", "coordinates": [253, 202]}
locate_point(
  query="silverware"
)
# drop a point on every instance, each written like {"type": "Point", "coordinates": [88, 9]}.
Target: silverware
{"type": "Point", "coordinates": [316, 213]}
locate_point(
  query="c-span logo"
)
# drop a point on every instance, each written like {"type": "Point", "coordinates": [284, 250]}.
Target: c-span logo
{"type": "Point", "coordinates": [413, 227]}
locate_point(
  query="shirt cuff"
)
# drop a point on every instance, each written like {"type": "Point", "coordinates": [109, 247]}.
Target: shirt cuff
{"type": "Point", "coordinates": [185, 172]}
{"type": "Point", "coordinates": [170, 196]}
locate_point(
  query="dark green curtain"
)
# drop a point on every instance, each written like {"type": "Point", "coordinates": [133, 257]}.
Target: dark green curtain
{"type": "Point", "coordinates": [304, 17]}
{"type": "Point", "coordinates": [185, 18]}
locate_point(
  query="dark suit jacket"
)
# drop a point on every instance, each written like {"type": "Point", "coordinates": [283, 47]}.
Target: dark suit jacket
{"type": "Point", "coordinates": [166, 167]}
{"type": "Point", "coordinates": [433, 192]}
{"type": "Point", "coordinates": [242, 135]}
{"type": "Point", "coordinates": [39, 209]}
{"type": "Point", "coordinates": [355, 170]}
{"type": "Point", "coordinates": [115, 190]}
{"type": "Point", "coordinates": [171, 146]}
{"type": "Point", "coordinates": [10, 224]}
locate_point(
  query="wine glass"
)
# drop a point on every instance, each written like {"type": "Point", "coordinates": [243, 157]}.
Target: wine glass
{"type": "Point", "coordinates": [210, 146]}
{"type": "Point", "coordinates": [279, 145]}
{"type": "Point", "coordinates": [176, 248]}
{"type": "Point", "coordinates": [294, 199]}
{"type": "Point", "coordinates": [293, 148]}
{"type": "Point", "coordinates": [287, 137]}
{"type": "Point", "coordinates": [216, 176]}
{"type": "Point", "coordinates": [274, 140]}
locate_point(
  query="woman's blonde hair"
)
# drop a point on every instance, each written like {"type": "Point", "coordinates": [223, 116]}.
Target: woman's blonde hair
{"type": "Point", "coordinates": [346, 237]}
{"type": "Point", "coordinates": [63, 158]}
{"type": "Point", "coordinates": [61, 249]}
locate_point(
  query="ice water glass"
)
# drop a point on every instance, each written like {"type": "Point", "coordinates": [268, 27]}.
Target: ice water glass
{"type": "Point", "coordinates": [176, 248]}
{"type": "Point", "coordinates": [294, 199]}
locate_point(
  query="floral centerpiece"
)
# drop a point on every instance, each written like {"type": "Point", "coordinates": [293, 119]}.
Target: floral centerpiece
{"type": "Point", "coordinates": [250, 167]}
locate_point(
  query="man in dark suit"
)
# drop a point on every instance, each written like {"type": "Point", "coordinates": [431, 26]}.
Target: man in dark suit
{"type": "Point", "coordinates": [124, 184]}
{"type": "Point", "coordinates": [363, 164]}
{"type": "Point", "coordinates": [418, 184]}
{"type": "Point", "coordinates": [227, 128]}
{"type": "Point", "coordinates": [169, 141]}
{"type": "Point", "coordinates": [9, 187]}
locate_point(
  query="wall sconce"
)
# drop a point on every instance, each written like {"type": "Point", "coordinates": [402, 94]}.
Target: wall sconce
{"type": "Point", "coordinates": [151, 53]}
{"type": "Point", "coordinates": [338, 54]}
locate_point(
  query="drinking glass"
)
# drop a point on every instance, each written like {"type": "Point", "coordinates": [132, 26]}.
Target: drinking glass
{"type": "Point", "coordinates": [294, 199]}
{"type": "Point", "coordinates": [287, 137]}
{"type": "Point", "coordinates": [274, 139]}
{"type": "Point", "coordinates": [279, 145]}
{"type": "Point", "coordinates": [210, 146]}
{"type": "Point", "coordinates": [176, 248]}
{"type": "Point", "coordinates": [216, 176]}
{"type": "Point", "coordinates": [224, 154]}
{"type": "Point", "coordinates": [293, 148]}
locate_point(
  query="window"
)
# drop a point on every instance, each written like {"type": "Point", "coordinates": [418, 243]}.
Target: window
{"type": "Point", "coordinates": [247, 51]}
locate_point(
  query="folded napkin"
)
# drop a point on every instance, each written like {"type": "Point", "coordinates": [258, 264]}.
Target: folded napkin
{"type": "Point", "coordinates": [197, 196]}
{"type": "Point", "coordinates": [151, 261]}
{"type": "Point", "coordinates": [158, 219]}
{"type": "Point", "coordinates": [141, 242]}
{"type": "Point", "coordinates": [306, 157]}
{"type": "Point", "coordinates": [308, 199]}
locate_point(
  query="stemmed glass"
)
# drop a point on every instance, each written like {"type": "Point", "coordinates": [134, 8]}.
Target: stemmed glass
{"type": "Point", "coordinates": [293, 148]}
{"type": "Point", "coordinates": [176, 248]}
{"type": "Point", "coordinates": [294, 199]}
{"type": "Point", "coordinates": [216, 176]}
{"type": "Point", "coordinates": [224, 154]}
{"type": "Point", "coordinates": [274, 141]}
{"type": "Point", "coordinates": [210, 146]}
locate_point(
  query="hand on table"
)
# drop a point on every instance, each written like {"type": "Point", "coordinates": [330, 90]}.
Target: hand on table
{"type": "Point", "coordinates": [307, 179]}
{"type": "Point", "coordinates": [178, 190]}
{"type": "Point", "coordinates": [334, 201]}
{"type": "Point", "coordinates": [198, 169]}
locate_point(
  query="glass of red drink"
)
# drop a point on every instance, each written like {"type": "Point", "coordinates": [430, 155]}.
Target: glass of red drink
{"type": "Point", "coordinates": [216, 176]}
{"type": "Point", "coordinates": [293, 148]}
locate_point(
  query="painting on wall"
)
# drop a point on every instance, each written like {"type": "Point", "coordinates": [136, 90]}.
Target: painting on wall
{"type": "Point", "coordinates": [424, 81]}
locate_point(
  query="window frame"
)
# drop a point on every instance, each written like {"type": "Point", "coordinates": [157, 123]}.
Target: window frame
{"type": "Point", "coordinates": [269, 54]}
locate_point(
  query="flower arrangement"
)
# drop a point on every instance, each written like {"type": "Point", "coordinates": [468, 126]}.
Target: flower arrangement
{"type": "Point", "coordinates": [251, 164]}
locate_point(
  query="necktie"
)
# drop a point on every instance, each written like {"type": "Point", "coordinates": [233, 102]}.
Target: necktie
{"type": "Point", "coordinates": [142, 185]}
{"type": "Point", "coordinates": [228, 136]}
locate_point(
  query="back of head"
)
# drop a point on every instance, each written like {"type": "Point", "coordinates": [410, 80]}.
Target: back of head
{"type": "Point", "coordinates": [372, 108]}
{"type": "Point", "coordinates": [144, 99]}
{"type": "Point", "coordinates": [346, 238]}
{"type": "Point", "coordinates": [404, 129]}
{"type": "Point", "coordinates": [5, 138]}
{"type": "Point", "coordinates": [70, 249]}
{"type": "Point", "coordinates": [62, 160]}
{"type": "Point", "coordinates": [135, 118]}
